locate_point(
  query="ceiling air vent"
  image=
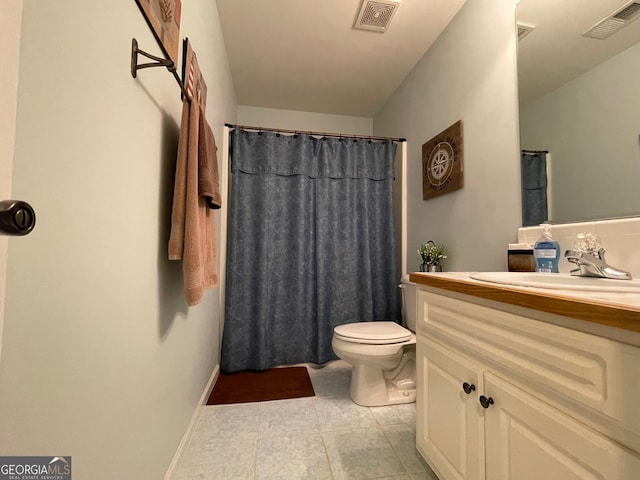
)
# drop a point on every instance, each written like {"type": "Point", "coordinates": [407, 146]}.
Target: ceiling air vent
{"type": "Point", "coordinates": [614, 22]}
{"type": "Point", "coordinates": [524, 30]}
{"type": "Point", "coordinates": [376, 15]}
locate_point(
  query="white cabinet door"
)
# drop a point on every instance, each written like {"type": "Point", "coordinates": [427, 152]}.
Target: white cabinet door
{"type": "Point", "coordinates": [527, 439]}
{"type": "Point", "coordinates": [450, 424]}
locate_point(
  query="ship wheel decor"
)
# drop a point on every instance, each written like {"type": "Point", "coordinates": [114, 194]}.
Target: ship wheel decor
{"type": "Point", "coordinates": [442, 162]}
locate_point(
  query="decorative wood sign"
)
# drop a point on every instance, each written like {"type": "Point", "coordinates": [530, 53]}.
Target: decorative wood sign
{"type": "Point", "coordinates": [163, 17]}
{"type": "Point", "coordinates": [442, 162]}
{"type": "Point", "coordinates": [192, 76]}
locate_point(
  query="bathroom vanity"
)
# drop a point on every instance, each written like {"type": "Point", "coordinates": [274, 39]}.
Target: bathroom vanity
{"type": "Point", "coordinates": [526, 383]}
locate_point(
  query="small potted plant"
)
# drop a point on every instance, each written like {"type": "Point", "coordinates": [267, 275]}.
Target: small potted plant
{"type": "Point", "coordinates": [432, 254]}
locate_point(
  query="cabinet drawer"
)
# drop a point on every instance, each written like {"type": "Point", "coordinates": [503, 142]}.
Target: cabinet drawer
{"type": "Point", "coordinates": [595, 379]}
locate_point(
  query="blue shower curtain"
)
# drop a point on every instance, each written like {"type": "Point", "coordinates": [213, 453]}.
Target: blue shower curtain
{"type": "Point", "coordinates": [311, 245]}
{"type": "Point", "coordinates": [534, 188]}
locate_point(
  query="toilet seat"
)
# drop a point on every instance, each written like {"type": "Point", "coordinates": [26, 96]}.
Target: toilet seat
{"type": "Point", "coordinates": [372, 333]}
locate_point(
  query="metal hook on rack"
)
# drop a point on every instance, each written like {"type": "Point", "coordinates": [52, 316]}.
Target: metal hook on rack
{"type": "Point", "coordinates": [158, 62]}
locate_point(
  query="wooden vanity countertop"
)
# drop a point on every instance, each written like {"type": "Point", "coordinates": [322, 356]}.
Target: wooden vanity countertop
{"type": "Point", "coordinates": [568, 304]}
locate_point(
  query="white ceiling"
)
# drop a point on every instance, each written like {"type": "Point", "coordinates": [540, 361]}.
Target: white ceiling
{"type": "Point", "coordinates": [556, 52]}
{"type": "Point", "coordinates": [305, 54]}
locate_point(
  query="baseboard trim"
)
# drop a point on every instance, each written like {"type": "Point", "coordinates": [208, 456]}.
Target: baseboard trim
{"type": "Point", "coordinates": [189, 431]}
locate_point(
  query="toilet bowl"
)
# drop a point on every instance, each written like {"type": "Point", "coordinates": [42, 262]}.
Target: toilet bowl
{"type": "Point", "coordinates": [382, 354]}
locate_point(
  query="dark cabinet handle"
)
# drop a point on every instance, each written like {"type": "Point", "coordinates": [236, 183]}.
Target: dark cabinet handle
{"type": "Point", "coordinates": [485, 402]}
{"type": "Point", "coordinates": [468, 388]}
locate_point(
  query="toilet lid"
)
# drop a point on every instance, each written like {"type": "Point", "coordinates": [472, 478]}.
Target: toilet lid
{"type": "Point", "coordinates": [373, 332]}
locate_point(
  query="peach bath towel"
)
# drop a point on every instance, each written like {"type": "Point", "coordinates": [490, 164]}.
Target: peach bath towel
{"type": "Point", "coordinates": [196, 193]}
{"type": "Point", "coordinates": [208, 178]}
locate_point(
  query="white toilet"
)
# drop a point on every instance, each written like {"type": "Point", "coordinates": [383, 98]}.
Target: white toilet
{"type": "Point", "coordinates": [383, 355]}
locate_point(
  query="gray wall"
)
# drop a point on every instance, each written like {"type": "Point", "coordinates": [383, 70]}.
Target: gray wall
{"type": "Point", "coordinates": [296, 120]}
{"type": "Point", "coordinates": [591, 127]}
{"type": "Point", "coordinates": [10, 22]}
{"type": "Point", "coordinates": [101, 359]}
{"type": "Point", "coordinates": [469, 74]}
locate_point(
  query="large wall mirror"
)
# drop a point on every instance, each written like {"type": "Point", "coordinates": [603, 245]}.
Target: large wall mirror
{"type": "Point", "coordinates": [580, 101]}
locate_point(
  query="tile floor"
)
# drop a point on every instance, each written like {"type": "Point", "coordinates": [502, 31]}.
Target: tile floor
{"type": "Point", "coordinates": [324, 437]}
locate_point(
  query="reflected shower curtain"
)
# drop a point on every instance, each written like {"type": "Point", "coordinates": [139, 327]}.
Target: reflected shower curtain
{"type": "Point", "coordinates": [311, 246]}
{"type": "Point", "coordinates": [534, 188]}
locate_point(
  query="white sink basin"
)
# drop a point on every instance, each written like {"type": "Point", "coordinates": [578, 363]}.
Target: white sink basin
{"type": "Point", "coordinates": [559, 281]}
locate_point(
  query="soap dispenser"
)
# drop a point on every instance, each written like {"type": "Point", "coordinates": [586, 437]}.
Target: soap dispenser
{"type": "Point", "coordinates": [546, 252]}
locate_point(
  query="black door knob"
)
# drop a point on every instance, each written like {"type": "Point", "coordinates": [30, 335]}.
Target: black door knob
{"type": "Point", "coordinates": [485, 401]}
{"type": "Point", "coordinates": [468, 388]}
{"type": "Point", "coordinates": [16, 217]}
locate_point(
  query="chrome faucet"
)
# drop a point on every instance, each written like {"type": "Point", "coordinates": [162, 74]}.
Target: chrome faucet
{"type": "Point", "coordinates": [593, 264]}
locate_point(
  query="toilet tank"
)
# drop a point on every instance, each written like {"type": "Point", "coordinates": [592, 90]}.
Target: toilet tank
{"type": "Point", "coordinates": [409, 303]}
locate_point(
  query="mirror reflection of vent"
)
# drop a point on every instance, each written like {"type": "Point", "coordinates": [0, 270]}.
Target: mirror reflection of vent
{"type": "Point", "coordinates": [376, 15]}
{"type": "Point", "coordinates": [614, 22]}
{"type": "Point", "coordinates": [524, 30]}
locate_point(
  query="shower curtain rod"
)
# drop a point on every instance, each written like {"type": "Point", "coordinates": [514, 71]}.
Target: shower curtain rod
{"type": "Point", "coordinates": [323, 134]}
{"type": "Point", "coordinates": [535, 151]}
